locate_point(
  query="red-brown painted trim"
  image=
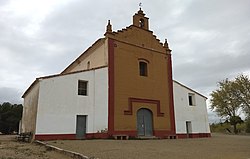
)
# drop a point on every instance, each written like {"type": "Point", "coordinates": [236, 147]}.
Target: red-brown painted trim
{"type": "Point", "coordinates": [111, 90]}
{"type": "Point", "coordinates": [70, 136]}
{"type": "Point", "coordinates": [97, 136]}
{"type": "Point", "coordinates": [55, 137]}
{"type": "Point", "coordinates": [139, 100]}
{"type": "Point", "coordinates": [193, 135]}
{"type": "Point", "coordinates": [171, 98]}
{"type": "Point", "coordinates": [157, 133]}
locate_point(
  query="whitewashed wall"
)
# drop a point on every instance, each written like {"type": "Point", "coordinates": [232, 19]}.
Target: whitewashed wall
{"type": "Point", "coordinates": [59, 103]}
{"type": "Point", "coordinates": [30, 103]}
{"type": "Point", "coordinates": [183, 112]}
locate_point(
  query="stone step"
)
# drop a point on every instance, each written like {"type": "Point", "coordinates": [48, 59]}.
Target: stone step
{"type": "Point", "coordinates": [148, 137]}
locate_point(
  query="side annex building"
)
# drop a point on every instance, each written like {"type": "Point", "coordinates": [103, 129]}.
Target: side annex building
{"type": "Point", "coordinates": [122, 84]}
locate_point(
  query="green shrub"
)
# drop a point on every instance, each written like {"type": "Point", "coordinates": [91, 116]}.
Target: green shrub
{"type": "Point", "coordinates": [221, 127]}
{"type": "Point", "coordinates": [247, 124]}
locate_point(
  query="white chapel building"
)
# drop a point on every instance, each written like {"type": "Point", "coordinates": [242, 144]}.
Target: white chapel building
{"type": "Point", "coordinates": [121, 85]}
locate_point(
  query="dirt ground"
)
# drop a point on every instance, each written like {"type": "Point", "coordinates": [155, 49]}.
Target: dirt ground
{"type": "Point", "coordinates": [11, 149]}
{"type": "Point", "coordinates": [218, 147]}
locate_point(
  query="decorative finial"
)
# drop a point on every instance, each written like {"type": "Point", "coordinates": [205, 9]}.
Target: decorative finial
{"type": "Point", "coordinates": [140, 11]}
{"type": "Point", "coordinates": [168, 50]}
{"type": "Point", "coordinates": [166, 43]}
{"type": "Point", "coordinates": [109, 27]}
{"type": "Point", "coordinates": [140, 5]}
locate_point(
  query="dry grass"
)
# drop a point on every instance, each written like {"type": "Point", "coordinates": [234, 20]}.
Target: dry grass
{"type": "Point", "coordinates": [11, 149]}
{"type": "Point", "coordinates": [218, 147]}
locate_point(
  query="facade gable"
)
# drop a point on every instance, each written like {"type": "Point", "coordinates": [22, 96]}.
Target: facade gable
{"type": "Point", "coordinates": [137, 34]}
{"type": "Point", "coordinates": [139, 37]}
{"type": "Point", "coordinates": [130, 90]}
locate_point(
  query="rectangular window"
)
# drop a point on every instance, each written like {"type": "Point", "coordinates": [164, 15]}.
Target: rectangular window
{"type": "Point", "coordinates": [191, 99]}
{"type": "Point", "coordinates": [82, 88]}
{"type": "Point", "coordinates": [143, 69]}
{"type": "Point", "coordinates": [88, 65]}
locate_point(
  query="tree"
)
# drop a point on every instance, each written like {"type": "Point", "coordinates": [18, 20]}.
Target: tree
{"type": "Point", "coordinates": [227, 101]}
{"type": "Point", "coordinates": [243, 84]}
{"type": "Point", "coordinates": [10, 115]}
{"type": "Point", "coordinates": [247, 122]}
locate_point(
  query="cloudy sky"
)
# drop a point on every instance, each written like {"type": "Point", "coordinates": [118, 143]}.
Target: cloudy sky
{"type": "Point", "coordinates": [210, 39]}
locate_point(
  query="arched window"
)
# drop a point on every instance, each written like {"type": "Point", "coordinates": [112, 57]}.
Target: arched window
{"type": "Point", "coordinates": [141, 23]}
{"type": "Point", "coordinates": [143, 66]}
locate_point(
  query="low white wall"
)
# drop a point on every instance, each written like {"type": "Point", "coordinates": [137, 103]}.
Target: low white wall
{"type": "Point", "coordinates": [59, 103]}
{"type": "Point", "coordinates": [197, 114]}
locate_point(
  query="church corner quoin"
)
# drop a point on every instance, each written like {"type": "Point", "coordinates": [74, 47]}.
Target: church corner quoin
{"type": "Point", "coordinates": [121, 86]}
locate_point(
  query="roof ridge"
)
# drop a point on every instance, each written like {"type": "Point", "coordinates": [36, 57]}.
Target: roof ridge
{"type": "Point", "coordinates": [189, 88]}
{"type": "Point", "coordinates": [59, 74]}
{"type": "Point", "coordinates": [77, 59]}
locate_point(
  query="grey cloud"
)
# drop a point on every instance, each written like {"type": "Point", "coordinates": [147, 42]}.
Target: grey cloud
{"type": "Point", "coordinates": [10, 95]}
{"type": "Point", "coordinates": [207, 71]}
{"type": "Point", "coordinates": [213, 117]}
{"type": "Point", "coordinates": [210, 39]}
{"type": "Point", "coordinates": [210, 43]}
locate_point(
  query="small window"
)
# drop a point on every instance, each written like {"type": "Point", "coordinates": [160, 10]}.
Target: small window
{"type": "Point", "coordinates": [88, 65]}
{"type": "Point", "coordinates": [143, 68]}
{"type": "Point", "coordinates": [82, 88]}
{"type": "Point", "coordinates": [191, 99]}
{"type": "Point", "coordinates": [141, 23]}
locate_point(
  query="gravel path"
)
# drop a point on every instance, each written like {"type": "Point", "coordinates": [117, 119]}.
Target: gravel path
{"type": "Point", "coordinates": [218, 147]}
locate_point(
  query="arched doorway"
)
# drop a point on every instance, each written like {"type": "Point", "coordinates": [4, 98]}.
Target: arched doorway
{"type": "Point", "coordinates": [144, 122]}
